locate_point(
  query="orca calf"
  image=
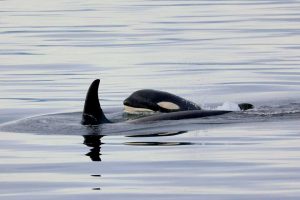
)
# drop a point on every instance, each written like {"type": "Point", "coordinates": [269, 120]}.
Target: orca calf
{"type": "Point", "coordinates": [155, 100]}
{"type": "Point", "coordinates": [93, 113]}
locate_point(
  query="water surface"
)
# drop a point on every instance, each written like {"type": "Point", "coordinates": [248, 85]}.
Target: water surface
{"type": "Point", "coordinates": [210, 52]}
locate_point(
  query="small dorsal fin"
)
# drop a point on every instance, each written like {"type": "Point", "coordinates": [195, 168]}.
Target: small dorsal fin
{"type": "Point", "coordinates": [92, 112]}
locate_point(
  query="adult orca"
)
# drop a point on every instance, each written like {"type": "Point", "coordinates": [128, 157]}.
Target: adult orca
{"type": "Point", "coordinates": [154, 100]}
{"type": "Point", "coordinates": [93, 113]}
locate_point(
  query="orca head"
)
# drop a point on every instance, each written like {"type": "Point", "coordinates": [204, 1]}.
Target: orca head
{"type": "Point", "coordinates": [150, 101]}
{"type": "Point", "coordinates": [92, 112]}
{"type": "Point", "coordinates": [140, 101]}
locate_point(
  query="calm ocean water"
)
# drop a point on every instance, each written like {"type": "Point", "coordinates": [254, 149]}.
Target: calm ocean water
{"type": "Point", "coordinates": [210, 52]}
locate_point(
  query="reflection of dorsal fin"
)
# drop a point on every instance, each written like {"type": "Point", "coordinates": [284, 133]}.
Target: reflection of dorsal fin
{"type": "Point", "coordinates": [92, 112]}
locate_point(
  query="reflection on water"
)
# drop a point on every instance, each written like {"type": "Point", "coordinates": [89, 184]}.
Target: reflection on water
{"type": "Point", "coordinates": [158, 143]}
{"type": "Point", "coordinates": [93, 141]}
{"type": "Point", "coordinates": [158, 134]}
{"type": "Point", "coordinates": [257, 162]}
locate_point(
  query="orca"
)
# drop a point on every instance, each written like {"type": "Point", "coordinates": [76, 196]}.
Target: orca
{"type": "Point", "coordinates": [158, 101]}
{"type": "Point", "coordinates": [93, 113]}
{"type": "Point", "coordinates": [148, 100]}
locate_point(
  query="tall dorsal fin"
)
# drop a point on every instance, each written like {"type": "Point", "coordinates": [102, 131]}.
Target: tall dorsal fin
{"type": "Point", "coordinates": [92, 112]}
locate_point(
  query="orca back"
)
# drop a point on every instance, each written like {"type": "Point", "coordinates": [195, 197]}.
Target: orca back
{"type": "Point", "coordinates": [189, 114]}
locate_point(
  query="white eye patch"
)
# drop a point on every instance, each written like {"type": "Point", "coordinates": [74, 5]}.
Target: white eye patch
{"type": "Point", "coordinates": [168, 105]}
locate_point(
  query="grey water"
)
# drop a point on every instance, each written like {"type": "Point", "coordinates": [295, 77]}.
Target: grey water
{"type": "Point", "coordinates": [210, 52]}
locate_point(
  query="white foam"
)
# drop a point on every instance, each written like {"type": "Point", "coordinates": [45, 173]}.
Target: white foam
{"type": "Point", "coordinates": [230, 106]}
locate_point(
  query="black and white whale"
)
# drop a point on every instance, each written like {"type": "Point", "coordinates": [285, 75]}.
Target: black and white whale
{"type": "Point", "coordinates": [158, 101]}
{"type": "Point", "coordinates": [94, 115]}
{"type": "Point", "coordinates": [148, 100]}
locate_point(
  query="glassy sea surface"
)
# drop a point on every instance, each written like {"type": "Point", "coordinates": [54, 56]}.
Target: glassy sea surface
{"type": "Point", "coordinates": [210, 52]}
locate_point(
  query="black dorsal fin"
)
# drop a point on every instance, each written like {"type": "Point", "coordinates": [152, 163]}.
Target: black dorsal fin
{"type": "Point", "coordinates": [92, 112]}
